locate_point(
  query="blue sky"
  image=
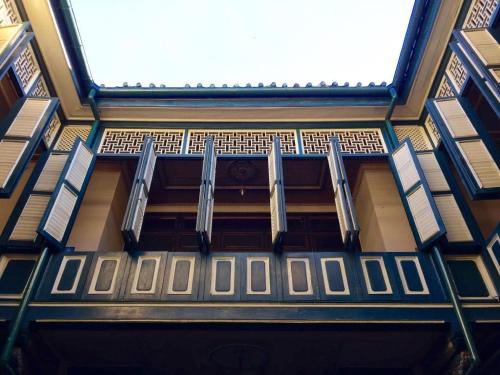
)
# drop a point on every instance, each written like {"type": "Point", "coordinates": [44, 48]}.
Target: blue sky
{"type": "Point", "coordinates": [175, 42]}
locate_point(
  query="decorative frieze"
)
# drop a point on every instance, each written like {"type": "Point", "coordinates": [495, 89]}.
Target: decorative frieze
{"type": "Point", "coordinates": [241, 142]}
{"type": "Point", "coordinates": [456, 72]}
{"type": "Point", "coordinates": [130, 141]}
{"type": "Point", "coordinates": [444, 90]}
{"type": "Point", "coordinates": [40, 88]}
{"type": "Point", "coordinates": [52, 130]}
{"type": "Point", "coordinates": [353, 141]}
{"type": "Point", "coordinates": [69, 134]}
{"type": "Point", "coordinates": [417, 136]}
{"type": "Point", "coordinates": [480, 13]}
{"type": "Point", "coordinates": [8, 13]}
{"type": "Point", "coordinates": [26, 68]}
{"type": "Point", "coordinates": [432, 130]}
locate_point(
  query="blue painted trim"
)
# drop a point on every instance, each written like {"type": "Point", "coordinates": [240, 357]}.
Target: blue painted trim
{"type": "Point", "coordinates": [488, 261]}
{"type": "Point", "coordinates": [424, 27]}
{"type": "Point", "coordinates": [254, 125]}
{"type": "Point", "coordinates": [423, 182]}
{"type": "Point", "coordinates": [33, 142]}
{"type": "Point", "coordinates": [300, 144]}
{"type": "Point", "coordinates": [185, 140]}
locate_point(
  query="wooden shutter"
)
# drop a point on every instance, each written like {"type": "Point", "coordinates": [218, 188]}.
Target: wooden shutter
{"type": "Point", "coordinates": [21, 230]}
{"type": "Point", "coordinates": [461, 228]}
{"type": "Point", "coordinates": [62, 208]}
{"type": "Point", "coordinates": [470, 154]}
{"type": "Point", "coordinates": [136, 207]}
{"type": "Point", "coordinates": [426, 222]}
{"type": "Point", "coordinates": [277, 195]}
{"type": "Point", "coordinates": [20, 134]}
{"type": "Point", "coordinates": [484, 45]}
{"type": "Point", "coordinates": [349, 227]}
{"type": "Point", "coordinates": [206, 199]}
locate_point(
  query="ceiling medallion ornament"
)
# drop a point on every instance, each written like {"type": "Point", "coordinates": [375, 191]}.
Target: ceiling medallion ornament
{"type": "Point", "coordinates": [242, 171]}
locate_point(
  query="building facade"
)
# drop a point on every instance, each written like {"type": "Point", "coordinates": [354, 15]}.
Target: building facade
{"type": "Point", "coordinates": [328, 229]}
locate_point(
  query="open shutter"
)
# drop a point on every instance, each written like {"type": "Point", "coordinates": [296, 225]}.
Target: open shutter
{"type": "Point", "coordinates": [422, 212]}
{"type": "Point", "coordinates": [206, 200]}
{"type": "Point", "coordinates": [482, 49]}
{"type": "Point", "coordinates": [62, 208]}
{"type": "Point", "coordinates": [21, 229]}
{"type": "Point", "coordinates": [349, 227]}
{"type": "Point", "coordinates": [20, 134]}
{"type": "Point", "coordinates": [277, 195]}
{"type": "Point", "coordinates": [461, 228]}
{"type": "Point", "coordinates": [136, 207]}
{"type": "Point", "coordinates": [470, 154]}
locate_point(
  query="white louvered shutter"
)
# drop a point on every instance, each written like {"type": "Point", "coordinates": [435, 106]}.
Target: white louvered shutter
{"type": "Point", "coordinates": [349, 227]}
{"type": "Point", "coordinates": [26, 124]}
{"type": "Point", "coordinates": [206, 197]}
{"type": "Point", "coordinates": [277, 195]}
{"type": "Point", "coordinates": [25, 224]}
{"type": "Point", "coordinates": [427, 224]}
{"type": "Point", "coordinates": [484, 45]}
{"type": "Point", "coordinates": [136, 207]}
{"type": "Point", "coordinates": [448, 200]}
{"type": "Point", "coordinates": [60, 214]}
{"type": "Point", "coordinates": [473, 160]}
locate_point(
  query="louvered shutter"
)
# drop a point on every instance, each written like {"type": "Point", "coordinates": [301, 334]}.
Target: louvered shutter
{"type": "Point", "coordinates": [461, 228]}
{"type": "Point", "coordinates": [470, 154]}
{"type": "Point", "coordinates": [348, 222]}
{"type": "Point", "coordinates": [136, 207]}
{"type": "Point", "coordinates": [486, 50]}
{"type": "Point", "coordinates": [426, 222]}
{"type": "Point", "coordinates": [20, 134]}
{"type": "Point", "coordinates": [62, 208]}
{"type": "Point", "coordinates": [206, 198]}
{"type": "Point", "coordinates": [21, 230]}
{"type": "Point", "coordinates": [277, 195]}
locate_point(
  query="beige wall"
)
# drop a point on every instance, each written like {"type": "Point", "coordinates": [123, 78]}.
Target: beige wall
{"type": "Point", "coordinates": [7, 205]}
{"type": "Point", "coordinates": [382, 218]}
{"type": "Point", "coordinates": [486, 213]}
{"type": "Point", "coordinates": [98, 223]}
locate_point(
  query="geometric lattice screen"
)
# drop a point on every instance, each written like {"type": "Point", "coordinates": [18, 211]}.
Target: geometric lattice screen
{"type": "Point", "coordinates": [241, 142]}
{"type": "Point", "coordinates": [353, 141]}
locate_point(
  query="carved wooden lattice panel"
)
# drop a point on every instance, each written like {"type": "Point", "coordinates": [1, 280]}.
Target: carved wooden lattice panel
{"type": "Point", "coordinates": [444, 89]}
{"type": "Point", "coordinates": [52, 130]}
{"type": "Point", "coordinates": [68, 136]}
{"type": "Point", "coordinates": [456, 72]}
{"type": "Point", "coordinates": [40, 88]}
{"type": "Point", "coordinates": [353, 141]}
{"type": "Point", "coordinates": [241, 142]}
{"type": "Point", "coordinates": [130, 141]}
{"type": "Point", "coordinates": [417, 136]}
{"type": "Point", "coordinates": [432, 130]}
{"type": "Point", "coordinates": [27, 68]}
{"type": "Point", "coordinates": [8, 13]}
{"type": "Point", "coordinates": [480, 13]}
